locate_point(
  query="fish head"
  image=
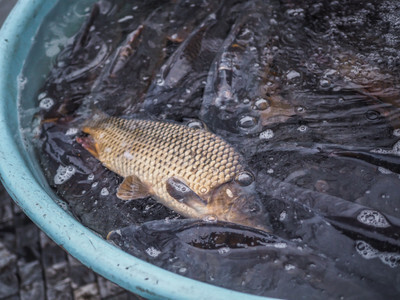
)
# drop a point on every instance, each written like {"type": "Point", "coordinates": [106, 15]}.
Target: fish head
{"type": "Point", "coordinates": [236, 201]}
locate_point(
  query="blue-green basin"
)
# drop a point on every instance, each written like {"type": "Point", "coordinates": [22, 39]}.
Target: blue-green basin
{"type": "Point", "coordinates": [26, 185]}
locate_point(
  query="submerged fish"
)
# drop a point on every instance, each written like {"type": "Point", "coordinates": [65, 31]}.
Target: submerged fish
{"type": "Point", "coordinates": [190, 170]}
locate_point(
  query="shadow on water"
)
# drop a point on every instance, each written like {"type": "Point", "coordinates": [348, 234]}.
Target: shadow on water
{"type": "Point", "coordinates": [307, 91]}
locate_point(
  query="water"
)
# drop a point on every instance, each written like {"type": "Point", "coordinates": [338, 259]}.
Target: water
{"type": "Point", "coordinates": [307, 92]}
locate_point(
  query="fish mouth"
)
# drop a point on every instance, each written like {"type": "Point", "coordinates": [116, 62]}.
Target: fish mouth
{"type": "Point", "coordinates": [249, 212]}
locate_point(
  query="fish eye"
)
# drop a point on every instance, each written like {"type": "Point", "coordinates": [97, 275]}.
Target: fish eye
{"type": "Point", "coordinates": [245, 178]}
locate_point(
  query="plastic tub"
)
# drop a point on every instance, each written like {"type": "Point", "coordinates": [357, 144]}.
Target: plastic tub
{"type": "Point", "coordinates": [24, 182]}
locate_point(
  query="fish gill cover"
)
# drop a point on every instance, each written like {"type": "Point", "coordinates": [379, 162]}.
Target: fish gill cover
{"type": "Point", "coordinates": [306, 92]}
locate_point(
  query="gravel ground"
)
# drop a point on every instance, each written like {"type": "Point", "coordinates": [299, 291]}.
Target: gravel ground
{"type": "Point", "coordinates": [33, 267]}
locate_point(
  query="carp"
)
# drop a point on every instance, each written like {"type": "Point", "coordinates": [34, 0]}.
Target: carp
{"type": "Point", "coordinates": [190, 170]}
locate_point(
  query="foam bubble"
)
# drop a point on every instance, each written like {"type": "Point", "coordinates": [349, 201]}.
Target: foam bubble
{"type": "Point", "coordinates": [366, 250]}
{"type": "Point", "coordinates": [63, 174]}
{"type": "Point", "coordinates": [182, 270]}
{"type": "Point", "coordinates": [267, 134]}
{"type": "Point", "coordinates": [91, 177]}
{"type": "Point", "coordinates": [160, 82]}
{"type": "Point", "coordinates": [72, 131]}
{"type": "Point", "coordinates": [261, 104]}
{"type": "Point", "coordinates": [280, 245]}
{"type": "Point", "coordinates": [289, 267]}
{"type": "Point", "coordinates": [300, 109]}
{"type": "Point", "coordinates": [153, 252]}
{"type": "Point", "coordinates": [390, 259]}
{"type": "Point", "coordinates": [247, 122]}
{"type": "Point", "coordinates": [372, 218]}
{"type": "Point", "coordinates": [384, 171]}
{"type": "Point", "coordinates": [324, 83]}
{"type": "Point", "coordinates": [396, 132]}
{"type": "Point", "coordinates": [292, 74]}
{"type": "Point", "coordinates": [46, 103]}
{"type": "Point", "coordinates": [282, 216]}
{"type": "Point", "coordinates": [195, 124]}
{"type": "Point", "coordinates": [224, 250]}
{"type": "Point", "coordinates": [302, 128]}
{"type": "Point", "coordinates": [42, 95]}
{"type": "Point", "coordinates": [396, 148]}
{"type": "Point", "coordinates": [295, 12]}
{"type": "Point", "coordinates": [210, 219]}
{"type": "Point", "coordinates": [104, 192]}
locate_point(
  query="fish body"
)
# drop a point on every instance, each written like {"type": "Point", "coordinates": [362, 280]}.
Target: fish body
{"type": "Point", "coordinates": [190, 170]}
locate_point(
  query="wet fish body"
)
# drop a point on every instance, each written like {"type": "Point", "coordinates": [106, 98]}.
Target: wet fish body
{"type": "Point", "coordinates": [190, 170]}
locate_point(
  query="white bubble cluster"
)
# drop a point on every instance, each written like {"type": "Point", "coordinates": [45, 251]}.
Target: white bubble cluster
{"type": "Point", "coordinates": [395, 150]}
{"type": "Point", "coordinates": [63, 174]}
{"type": "Point", "coordinates": [46, 103]}
{"type": "Point", "coordinates": [153, 252]}
{"type": "Point", "coordinates": [390, 259]}
{"type": "Point", "coordinates": [372, 218]}
{"type": "Point", "coordinates": [267, 134]}
{"type": "Point", "coordinates": [368, 252]}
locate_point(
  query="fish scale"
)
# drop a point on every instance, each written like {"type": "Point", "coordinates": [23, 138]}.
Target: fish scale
{"type": "Point", "coordinates": [157, 150]}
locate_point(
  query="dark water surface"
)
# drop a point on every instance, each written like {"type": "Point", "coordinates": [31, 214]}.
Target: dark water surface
{"type": "Point", "coordinates": [307, 91]}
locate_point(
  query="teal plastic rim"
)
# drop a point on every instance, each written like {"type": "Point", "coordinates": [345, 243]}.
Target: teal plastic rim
{"type": "Point", "coordinates": [28, 192]}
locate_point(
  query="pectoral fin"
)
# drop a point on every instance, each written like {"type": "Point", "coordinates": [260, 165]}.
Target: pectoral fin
{"type": "Point", "coordinates": [132, 188]}
{"type": "Point", "coordinates": [89, 144]}
{"type": "Point", "coordinates": [179, 190]}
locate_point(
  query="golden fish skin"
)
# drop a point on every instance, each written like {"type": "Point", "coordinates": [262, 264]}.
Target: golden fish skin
{"type": "Point", "coordinates": [190, 170]}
